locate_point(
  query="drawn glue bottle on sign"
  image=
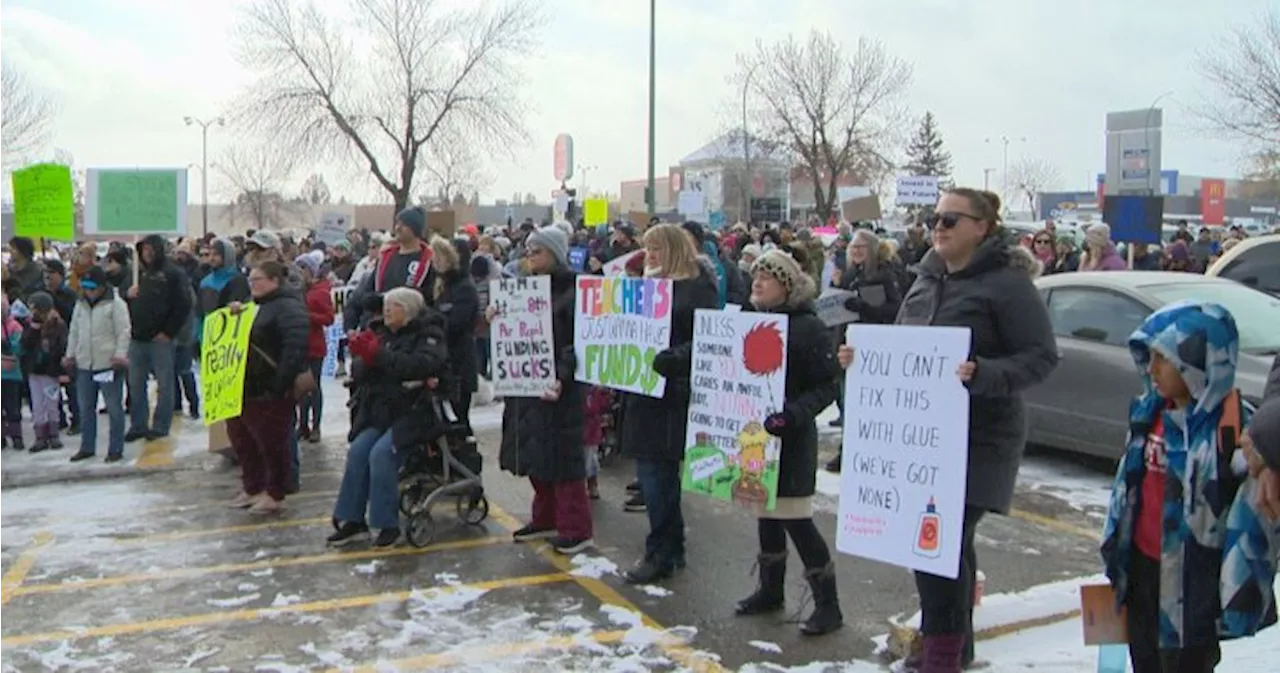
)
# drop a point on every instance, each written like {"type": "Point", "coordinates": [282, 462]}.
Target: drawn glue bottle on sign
{"type": "Point", "coordinates": [929, 532]}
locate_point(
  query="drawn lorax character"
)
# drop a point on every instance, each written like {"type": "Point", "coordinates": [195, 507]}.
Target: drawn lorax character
{"type": "Point", "coordinates": [752, 441]}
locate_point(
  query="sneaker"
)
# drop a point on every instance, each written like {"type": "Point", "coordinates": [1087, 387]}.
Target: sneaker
{"type": "Point", "coordinates": [81, 456]}
{"type": "Point", "coordinates": [387, 537]}
{"type": "Point", "coordinates": [242, 500]}
{"type": "Point", "coordinates": [634, 487]}
{"type": "Point", "coordinates": [635, 503]}
{"type": "Point", "coordinates": [114, 458]}
{"type": "Point", "coordinates": [265, 504]}
{"type": "Point", "coordinates": [568, 546]}
{"type": "Point", "coordinates": [135, 434]}
{"type": "Point", "coordinates": [532, 532]}
{"type": "Point", "coordinates": [347, 533]}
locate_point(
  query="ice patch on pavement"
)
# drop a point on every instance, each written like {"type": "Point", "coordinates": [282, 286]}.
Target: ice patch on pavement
{"type": "Point", "coordinates": [655, 591]}
{"type": "Point", "coordinates": [236, 602]}
{"type": "Point", "coordinates": [367, 568]}
{"type": "Point", "coordinates": [765, 646]}
{"type": "Point", "coordinates": [594, 567]}
{"type": "Point", "coordinates": [1084, 489]}
{"type": "Point", "coordinates": [246, 586]}
{"type": "Point", "coordinates": [282, 600]}
{"type": "Point", "coordinates": [199, 656]}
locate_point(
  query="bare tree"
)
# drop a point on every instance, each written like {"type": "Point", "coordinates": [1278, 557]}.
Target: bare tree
{"type": "Point", "coordinates": [452, 167]}
{"type": "Point", "coordinates": [27, 114]}
{"type": "Point", "coordinates": [315, 190]}
{"type": "Point", "coordinates": [1262, 176]}
{"type": "Point", "coordinates": [383, 86]}
{"type": "Point", "coordinates": [63, 157]}
{"type": "Point", "coordinates": [1028, 178]}
{"type": "Point", "coordinates": [1244, 76]}
{"type": "Point", "coordinates": [840, 114]}
{"type": "Point", "coordinates": [255, 175]}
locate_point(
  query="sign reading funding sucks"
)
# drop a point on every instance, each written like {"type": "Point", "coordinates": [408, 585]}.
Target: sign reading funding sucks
{"type": "Point", "coordinates": [522, 348]}
{"type": "Point", "coordinates": [739, 377]}
{"type": "Point", "coordinates": [224, 351]}
{"type": "Point", "coordinates": [906, 447]}
{"type": "Point", "coordinates": [620, 324]}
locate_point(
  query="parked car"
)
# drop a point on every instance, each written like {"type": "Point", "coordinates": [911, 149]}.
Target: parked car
{"type": "Point", "coordinates": [1254, 261]}
{"type": "Point", "coordinates": [1084, 405]}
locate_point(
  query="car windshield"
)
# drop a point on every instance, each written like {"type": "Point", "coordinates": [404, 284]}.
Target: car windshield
{"type": "Point", "coordinates": [1257, 313]}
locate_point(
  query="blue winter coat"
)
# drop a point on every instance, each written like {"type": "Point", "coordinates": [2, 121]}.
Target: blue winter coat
{"type": "Point", "coordinates": [1218, 554]}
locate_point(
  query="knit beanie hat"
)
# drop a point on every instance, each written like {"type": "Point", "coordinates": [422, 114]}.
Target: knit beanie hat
{"type": "Point", "coordinates": [787, 271]}
{"type": "Point", "coordinates": [414, 219]}
{"type": "Point", "coordinates": [40, 301]}
{"type": "Point", "coordinates": [1098, 235]}
{"type": "Point", "coordinates": [553, 240]}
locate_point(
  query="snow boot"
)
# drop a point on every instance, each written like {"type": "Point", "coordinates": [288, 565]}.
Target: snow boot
{"type": "Point", "coordinates": [13, 434]}
{"type": "Point", "coordinates": [826, 615]}
{"type": "Point", "coordinates": [769, 595]}
{"type": "Point", "coordinates": [54, 437]}
{"type": "Point", "coordinates": [942, 653]}
{"type": "Point", "coordinates": [42, 442]}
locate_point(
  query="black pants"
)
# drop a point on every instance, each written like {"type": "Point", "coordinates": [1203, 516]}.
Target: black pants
{"type": "Point", "coordinates": [1143, 605]}
{"type": "Point", "coordinates": [804, 534]}
{"type": "Point", "coordinates": [461, 403]}
{"type": "Point", "coordinates": [946, 605]}
{"type": "Point", "coordinates": [12, 400]}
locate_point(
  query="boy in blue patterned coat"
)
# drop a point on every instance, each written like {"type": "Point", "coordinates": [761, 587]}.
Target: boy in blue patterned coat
{"type": "Point", "coordinates": [1185, 547]}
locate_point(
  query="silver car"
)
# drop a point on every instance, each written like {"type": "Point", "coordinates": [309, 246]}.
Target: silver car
{"type": "Point", "coordinates": [1084, 405]}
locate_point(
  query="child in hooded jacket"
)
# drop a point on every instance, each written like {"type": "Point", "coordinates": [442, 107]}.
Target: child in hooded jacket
{"type": "Point", "coordinates": [599, 400]}
{"type": "Point", "coordinates": [11, 350]}
{"type": "Point", "coordinates": [44, 344]}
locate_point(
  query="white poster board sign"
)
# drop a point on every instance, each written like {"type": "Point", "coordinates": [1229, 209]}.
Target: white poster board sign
{"type": "Point", "coordinates": [917, 190]}
{"type": "Point", "coordinates": [906, 447]}
{"type": "Point", "coordinates": [334, 334]}
{"type": "Point", "coordinates": [619, 325]}
{"type": "Point", "coordinates": [522, 349]}
{"type": "Point", "coordinates": [332, 228]}
{"type": "Point", "coordinates": [830, 307]}
{"type": "Point", "coordinates": [692, 204]}
{"type": "Point", "coordinates": [618, 265]}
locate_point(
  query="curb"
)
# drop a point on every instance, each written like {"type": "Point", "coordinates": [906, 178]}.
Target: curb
{"type": "Point", "coordinates": [905, 641]}
{"type": "Point", "coordinates": [28, 478]}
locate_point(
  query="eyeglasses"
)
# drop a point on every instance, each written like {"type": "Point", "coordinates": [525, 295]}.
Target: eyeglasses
{"type": "Point", "coordinates": [1043, 241]}
{"type": "Point", "coordinates": [949, 220]}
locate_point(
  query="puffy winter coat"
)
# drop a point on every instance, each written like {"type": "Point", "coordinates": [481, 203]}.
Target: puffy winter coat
{"type": "Point", "coordinates": [277, 346]}
{"type": "Point", "coordinates": [99, 331]}
{"type": "Point", "coordinates": [412, 354]}
{"type": "Point", "coordinates": [320, 314]}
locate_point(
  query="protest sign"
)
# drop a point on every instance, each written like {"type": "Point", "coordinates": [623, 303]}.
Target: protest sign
{"type": "Point", "coordinates": [906, 447]}
{"type": "Point", "coordinates": [224, 351]}
{"type": "Point", "coordinates": [595, 212]}
{"type": "Point", "coordinates": [739, 377]}
{"type": "Point", "coordinates": [333, 334]}
{"type": "Point", "coordinates": [830, 307]}
{"type": "Point", "coordinates": [521, 346]}
{"type": "Point", "coordinates": [578, 258]}
{"type": "Point", "coordinates": [135, 201]}
{"type": "Point", "coordinates": [618, 265]}
{"type": "Point", "coordinates": [917, 190]}
{"type": "Point", "coordinates": [43, 206]}
{"type": "Point", "coordinates": [620, 324]}
{"type": "Point", "coordinates": [332, 228]}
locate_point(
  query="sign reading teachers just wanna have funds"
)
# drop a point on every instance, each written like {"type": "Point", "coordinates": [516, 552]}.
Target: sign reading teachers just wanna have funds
{"type": "Point", "coordinates": [906, 447]}
{"type": "Point", "coordinates": [621, 323]}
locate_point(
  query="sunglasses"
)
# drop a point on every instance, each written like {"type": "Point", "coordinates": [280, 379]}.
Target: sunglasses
{"type": "Point", "coordinates": [948, 220]}
{"type": "Point", "coordinates": [1045, 241]}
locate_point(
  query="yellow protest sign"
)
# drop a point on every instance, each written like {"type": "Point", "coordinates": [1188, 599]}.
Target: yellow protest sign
{"type": "Point", "coordinates": [43, 206]}
{"type": "Point", "coordinates": [595, 212]}
{"type": "Point", "coordinates": [224, 351]}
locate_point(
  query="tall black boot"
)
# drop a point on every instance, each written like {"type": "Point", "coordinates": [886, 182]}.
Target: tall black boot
{"type": "Point", "coordinates": [769, 595]}
{"type": "Point", "coordinates": [826, 615]}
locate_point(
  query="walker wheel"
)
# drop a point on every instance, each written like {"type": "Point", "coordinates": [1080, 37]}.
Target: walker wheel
{"type": "Point", "coordinates": [410, 496]}
{"type": "Point", "coordinates": [473, 510]}
{"type": "Point", "coordinates": [421, 529]}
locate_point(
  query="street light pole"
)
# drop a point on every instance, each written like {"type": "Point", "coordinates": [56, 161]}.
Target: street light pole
{"type": "Point", "coordinates": [653, 18]}
{"type": "Point", "coordinates": [204, 166]}
{"type": "Point", "coordinates": [986, 178]}
{"type": "Point", "coordinates": [584, 170]}
{"type": "Point", "coordinates": [1004, 176]}
{"type": "Point", "coordinates": [745, 213]}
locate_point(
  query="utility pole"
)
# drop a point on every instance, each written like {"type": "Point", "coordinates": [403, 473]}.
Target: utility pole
{"type": "Point", "coordinates": [747, 179]}
{"type": "Point", "coordinates": [986, 178]}
{"type": "Point", "coordinates": [1004, 176]}
{"type": "Point", "coordinates": [653, 18]}
{"type": "Point", "coordinates": [204, 166]}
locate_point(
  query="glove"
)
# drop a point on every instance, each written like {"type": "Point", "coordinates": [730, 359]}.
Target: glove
{"type": "Point", "coordinates": [364, 346]}
{"type": "Point", "coordinates": [665, 363]}
{"type": "Point", "coordinates": [779, 423]}
{"type": "Point", "coordinates": [855, 304]}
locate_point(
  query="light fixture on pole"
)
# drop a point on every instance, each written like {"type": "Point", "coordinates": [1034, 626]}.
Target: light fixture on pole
{"type": "Point", "coordinates": [584, 170]}
{"type": "Point", "coordinates": [986, 178]}
{"type": "Point", "coordinates": [204, 165]}
{"type": "Point", "coordinates": [1004, 176]}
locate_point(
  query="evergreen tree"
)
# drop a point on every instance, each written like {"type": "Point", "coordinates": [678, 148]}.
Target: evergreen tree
{"type": "Point", "coordinates": [925, 155]}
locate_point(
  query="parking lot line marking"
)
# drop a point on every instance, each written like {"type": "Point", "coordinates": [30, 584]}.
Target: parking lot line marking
{"type": "Point", "coordinates": [156, 453]}
{"type": "Point", "coordinates": [254, 614]}
{"type": "Point", "coordinates": [291, 562]}
{"type": "Point", "coordinates": [1054, 524]}
{"type": "Point", "coordinates": [483, 653]}
{"type": "Point", "coordinates": [682, 654]}
{"type": "Point", "coordinates": [177, 508]}
{"type": "Point", "coordinates": [209, 532]}
{"type": "Point", "coordinates": [13, 578]}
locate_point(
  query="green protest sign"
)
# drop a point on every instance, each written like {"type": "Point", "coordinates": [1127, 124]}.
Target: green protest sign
{"type": "Point", "coordinates": [43, 206]}
{"type": "Point", "coordinates": [136, 201]}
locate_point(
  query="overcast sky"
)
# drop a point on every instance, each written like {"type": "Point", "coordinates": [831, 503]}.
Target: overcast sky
{"type": "Point", "coordinates": [124, 73]}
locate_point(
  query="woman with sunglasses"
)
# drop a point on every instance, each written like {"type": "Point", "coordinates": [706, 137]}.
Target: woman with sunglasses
{"type": "Point", "coordinates": [1044, 250]}
{"type": "Point", "coordinates": [971, 278]}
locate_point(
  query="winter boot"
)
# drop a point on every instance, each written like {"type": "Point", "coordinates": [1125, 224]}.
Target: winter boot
{"type": "Point", "coordinates": [13, 432]}
{"type": "Point", "coordinates": [826, 615]}
{"type": "Point", "coordinates": [769, 595]}
{"type": "Point", "coordinates": [53, 436]}
{"type": "Point", "coordinates": [42, 440]}
{"type": "Point", "coordinates": [833, 465]}
{"type": "Point", "coordinates": [942, 653]}
{"type": "Point", "coordinates": [593, 488]}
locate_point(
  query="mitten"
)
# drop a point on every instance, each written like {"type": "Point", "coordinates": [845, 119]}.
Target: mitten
{"type": "Point", "coordinates": [664, 362]}
{"type": "Point", "coordinates": [855, 304]}
{"type": "Point", "coordinates": [779, 423]}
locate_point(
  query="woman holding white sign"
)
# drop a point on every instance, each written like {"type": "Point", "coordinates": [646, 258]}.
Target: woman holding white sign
{"type": "Point", "coordinates": [972, 279]}
{"type": "Point", "coordinates": [653, 429]}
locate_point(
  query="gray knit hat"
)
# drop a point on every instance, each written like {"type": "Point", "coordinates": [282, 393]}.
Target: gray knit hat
{"type": "Point", "coordinates": [553, 240]}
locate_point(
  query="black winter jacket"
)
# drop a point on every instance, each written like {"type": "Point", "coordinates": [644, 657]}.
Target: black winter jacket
{"type": "Point", "coordinates": [163, 304]}
{"type": "Point", "coordinates": [412, 354]}
{"type": "Point", "coordinates": [277, 346]}
{"type": "Point", "coordinates": [1012, 344]}
{"type": "Point", "coordinates": [543, 440]}
{"type": "Point", "coordinates": [856, 279]}
{"type": "Point", "coordinates": [655, 428]}
{"type": "Point", "coordinates": [460, 304]}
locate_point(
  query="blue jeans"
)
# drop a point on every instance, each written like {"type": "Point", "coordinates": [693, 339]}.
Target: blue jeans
{"type": "Point", "coordinates": [660, 486]}
{"type": "Point", "coordinates": [372, 479]}
{"type": "Point", "coordinates": [145, 359]}
{"type": "Point", "coordinates": [113, 395]}
{"type": "Point", "coordinates": [184, 378]}
{"type": "Point", "coordinates": [311, 408]}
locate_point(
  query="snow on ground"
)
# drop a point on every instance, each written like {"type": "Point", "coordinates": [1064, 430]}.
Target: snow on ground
{"type": "Point", "coordinates": [1044, 600]}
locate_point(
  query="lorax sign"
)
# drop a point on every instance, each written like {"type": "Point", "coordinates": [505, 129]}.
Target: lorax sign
{"type": "Point", "coordinates": [1213, 201]}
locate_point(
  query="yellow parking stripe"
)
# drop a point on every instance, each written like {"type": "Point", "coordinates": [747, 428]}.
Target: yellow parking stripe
{"type": "Point", "coordinates": [13, 578]}
{"type": "Point", "coordinates": [483, 653]}
{"type": "Point", "coordinates": [210, 532]}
